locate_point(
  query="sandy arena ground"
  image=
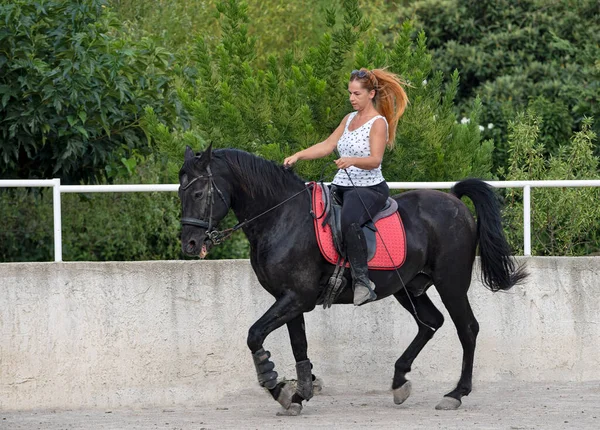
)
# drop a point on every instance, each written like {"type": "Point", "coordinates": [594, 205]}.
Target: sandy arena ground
{"type": "Point", "coordinates": [497, 405]}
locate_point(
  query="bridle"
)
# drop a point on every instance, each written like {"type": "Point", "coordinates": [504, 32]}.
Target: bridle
{"type": "Point", "coordinates": [214, 235]}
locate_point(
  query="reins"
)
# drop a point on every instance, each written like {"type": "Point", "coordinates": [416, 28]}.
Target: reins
{"type": "Point", "coordinates": [217, 237]}
{"type": "Point", "coordinates": [390, 256]}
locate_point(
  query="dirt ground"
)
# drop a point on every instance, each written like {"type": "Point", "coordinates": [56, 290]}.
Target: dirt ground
{"type": "Point", "coordinates": [498, 405]}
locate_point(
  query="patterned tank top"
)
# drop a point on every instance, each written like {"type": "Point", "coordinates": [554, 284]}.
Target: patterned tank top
{"type": "Point", "coordinates": [356, 144]}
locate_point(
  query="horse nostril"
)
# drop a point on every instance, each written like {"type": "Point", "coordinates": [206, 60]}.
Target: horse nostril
{"type": "Point", "coordinates": [191, 245]}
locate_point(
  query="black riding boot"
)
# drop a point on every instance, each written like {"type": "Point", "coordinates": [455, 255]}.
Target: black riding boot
{"type": "Point", "coordinates": [356, 253]}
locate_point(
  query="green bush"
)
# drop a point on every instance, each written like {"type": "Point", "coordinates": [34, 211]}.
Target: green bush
{"type": "Point", "coordinates": [276, 25]}
{"type": "Point", "coordinates": [564, 221]}
{"type": "Point", "coordinates": [27, 230]}
{"type": "Point", "coordinates": [293, 100]}
{"type": "Point", "coordinates": [512, 55]}
{"type": "Point", "coordinates": [95, 226]}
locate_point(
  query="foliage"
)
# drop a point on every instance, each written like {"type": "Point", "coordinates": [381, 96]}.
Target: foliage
{"type": "Point", "coordinates": [173, 23]}
{"type": "Point", "coordinates": [72, 88]}
{"type": "Point", "coordinates": [95, 227]}
{"type": "Point", "coordinates": [75, 88]}
{"type": "Point", "coordinates": [276, 25]}
{"type": "Point", "coordinates": [26, 234]}
{"type": "Point", "coordinates": [515, 55]}
{"type": "Point", "coordinates": [297, 98]}
{"type": "Point", "coordinates": [564, 221]}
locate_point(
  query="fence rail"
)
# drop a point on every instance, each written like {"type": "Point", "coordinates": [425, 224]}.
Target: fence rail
{"type": "Point", "coordinates": [58, 189]}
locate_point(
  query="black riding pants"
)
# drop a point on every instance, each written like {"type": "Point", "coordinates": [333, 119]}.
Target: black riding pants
{"type": "Point", "coordinates": [353, 210]}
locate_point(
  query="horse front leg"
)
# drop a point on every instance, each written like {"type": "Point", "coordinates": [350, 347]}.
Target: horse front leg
{"type": "Point", "coordinates": [304, 385]}
{"type": "Point", "coordinates": [285, 310]}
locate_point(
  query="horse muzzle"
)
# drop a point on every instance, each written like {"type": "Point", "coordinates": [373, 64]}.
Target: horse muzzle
{"type": "Point", "coordinates": [197, 249]}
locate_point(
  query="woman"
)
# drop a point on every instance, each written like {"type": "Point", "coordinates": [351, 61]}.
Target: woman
{"type": "Point", "coordinates": [379, 100]}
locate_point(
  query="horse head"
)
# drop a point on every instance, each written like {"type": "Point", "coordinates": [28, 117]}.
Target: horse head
{"type": "Point", "coordinates": [203, 204]}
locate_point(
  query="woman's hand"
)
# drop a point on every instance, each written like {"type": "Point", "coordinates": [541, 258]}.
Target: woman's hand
{"type": "Point", "coordinates": [290, 161]}
{"type": "Point", "coordinates": [344, 162]}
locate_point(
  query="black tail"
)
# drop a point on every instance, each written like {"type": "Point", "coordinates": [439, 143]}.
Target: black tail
{"type": "Point", "coordinates": [499, 269]}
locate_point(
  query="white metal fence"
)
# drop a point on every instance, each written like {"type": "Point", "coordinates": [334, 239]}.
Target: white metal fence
{"type": "Point", "coordinates": [58, 189]}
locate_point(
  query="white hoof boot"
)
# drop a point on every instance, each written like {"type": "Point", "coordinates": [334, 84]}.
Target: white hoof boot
{"type": "Point", "coordinates": [402, 393]}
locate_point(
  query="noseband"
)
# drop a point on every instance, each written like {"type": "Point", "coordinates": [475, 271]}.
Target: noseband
{"type": "Point", "coordinates": [213, 235]}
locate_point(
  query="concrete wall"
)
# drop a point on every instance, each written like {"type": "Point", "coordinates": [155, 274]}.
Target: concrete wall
{"type": "Point", "coordinates": [159, 333]}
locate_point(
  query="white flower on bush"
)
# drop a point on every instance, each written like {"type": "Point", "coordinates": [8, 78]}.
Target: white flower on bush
{"type": "Point", "coordinates": [490, 126]}
{"type": "Point", "coordinates": [465, 120]}
{"type": "Point", "coordinates": [481, 128]}
{"type": "Point", "coordinates": [424, 82]}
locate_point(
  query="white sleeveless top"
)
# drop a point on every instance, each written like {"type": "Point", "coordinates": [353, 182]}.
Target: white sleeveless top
{"type": "Point", "coordinates": [356, 144]}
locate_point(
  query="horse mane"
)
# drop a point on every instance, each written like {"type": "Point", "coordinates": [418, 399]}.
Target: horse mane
{"type": "Point", "coordinates": [258, 176]}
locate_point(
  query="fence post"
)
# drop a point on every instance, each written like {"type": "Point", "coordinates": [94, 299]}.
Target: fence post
{"type": "Point", "coordinates": [527, 220]}
{"type": "Point", "coordinates": [57, 220]}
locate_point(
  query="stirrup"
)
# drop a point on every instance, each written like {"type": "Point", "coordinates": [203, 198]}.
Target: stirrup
{"type": "Point", "coordinates": [364, 294]}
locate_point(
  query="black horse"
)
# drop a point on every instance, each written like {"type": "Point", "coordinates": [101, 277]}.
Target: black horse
{"type": "Point", "coordinates": [441, 237]}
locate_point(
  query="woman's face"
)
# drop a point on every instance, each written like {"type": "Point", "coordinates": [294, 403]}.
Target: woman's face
{"type": "Point", "coordinates": [360, 97]}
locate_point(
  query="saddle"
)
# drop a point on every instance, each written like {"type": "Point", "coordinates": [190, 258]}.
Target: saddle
{"type": "Point", "coordinates": [386, 239]}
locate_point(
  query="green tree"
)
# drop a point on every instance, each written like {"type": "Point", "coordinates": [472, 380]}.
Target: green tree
{"type": "Point", "coordinates": [72, 88]}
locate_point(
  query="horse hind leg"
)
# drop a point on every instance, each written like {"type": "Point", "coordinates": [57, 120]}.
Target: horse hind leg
{"type": "Point", "coordinates": [467, 328]}
{"type": "Point", "coordinates": [429, 319]}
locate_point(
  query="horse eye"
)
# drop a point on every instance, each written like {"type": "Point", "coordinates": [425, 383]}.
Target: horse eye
{"type": "Point", "coordinates": [198, 194]}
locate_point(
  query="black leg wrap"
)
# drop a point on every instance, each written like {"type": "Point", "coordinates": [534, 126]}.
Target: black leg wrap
{"type": "Point", "coordinates": [276, 392]}
{"type": "Point", "coordinates": [267, 377]}
{"type": "Point", "coordinates": [305, 383]}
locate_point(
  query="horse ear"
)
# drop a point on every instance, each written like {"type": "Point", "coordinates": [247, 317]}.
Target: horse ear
{"type": "Point", "coordinates": [189, 152]}
{"type": "Point", "coordinates": [207, 154]}
{"type": "Point", "coordinates": [202, 160]}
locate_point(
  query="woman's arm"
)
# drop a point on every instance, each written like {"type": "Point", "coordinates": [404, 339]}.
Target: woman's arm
{"type": "Point", "coordinates": [377, 140]}
{"type": "Point", "coordinates": [318, 150]}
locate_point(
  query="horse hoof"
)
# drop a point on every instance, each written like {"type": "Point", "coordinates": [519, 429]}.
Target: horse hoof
{"type": "Point", "coordinates": [293, 411]}
{"type": "Point", "coordinates": [285, 395]}
{"type": "Point", "coordinates": [317, 386]}
{"type": "Point", "coordinates": [448, 404]}
{"type": "Point", "coordinates": [402, 393]}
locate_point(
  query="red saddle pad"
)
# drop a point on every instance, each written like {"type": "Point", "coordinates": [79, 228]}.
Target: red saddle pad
{"type": "Point", "coordinates": [390, 229]}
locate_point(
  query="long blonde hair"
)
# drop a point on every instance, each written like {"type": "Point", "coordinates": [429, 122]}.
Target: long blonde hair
{"type": "Point", "coordinates": [390, 98]}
